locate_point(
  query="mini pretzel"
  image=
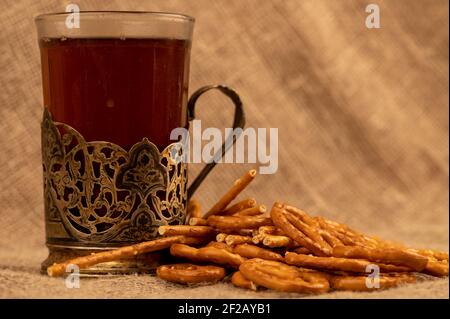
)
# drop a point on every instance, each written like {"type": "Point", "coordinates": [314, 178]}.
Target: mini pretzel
{"type": "Point", "coordinates": [209, 254]}
{"type": "Point", "coordinates": [304, 234]}
{"type": "Point", "coordinates": [383, 255]}
{"type": "Point", "coordinates": [186, 230]}
{"type": "Point", "coordinates": [359, 283]}
{"type": "Point", "coordinates": [252, 211]}
{"type": "Point", "coordinates": [238, 280]}
{"type": "Point", "coordinates": [251, 251]}
{"type": "Point", "coordinates": [281, 277]}
{"type": "Point", "coordinates": [232, 193]}
{"type": "Point", "coordinates": [238, 222]}
{"type": "Point", "coordinates": [240, 206]}
{"type": "Point", "coordinates": [190, 274]}
{"type": "Point", "coordinates": [120, 253]}
{"type": "Point", "coordinates": [335, 263]}
{"type": "Point", "coordinates": [194, 209]}
{"type": "Point", "coordinates": [197, 221]}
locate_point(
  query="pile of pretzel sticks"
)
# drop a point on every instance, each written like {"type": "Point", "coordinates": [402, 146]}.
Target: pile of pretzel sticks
{"type": "Point", "coordinates": [284, 249]}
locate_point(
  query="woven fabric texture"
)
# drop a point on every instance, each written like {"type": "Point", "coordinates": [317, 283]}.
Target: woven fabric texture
{"type": "Point", "coordinates": [362, 117]}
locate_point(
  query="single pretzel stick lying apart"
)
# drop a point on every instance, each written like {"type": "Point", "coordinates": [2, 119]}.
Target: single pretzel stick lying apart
{"type": "Point", "coordinates": [186, 230]}
{"type": "Point", "coordinates": [252, 211]}
{"type": "Point", "coordinates": [340, 264]}
{"type": "Point", "coordinates": [190, 274]}
{"type": "Point", "coordinates": [239, 206]}
{"type": "Point", "coordinates": [232, 193]}
{"type": "Point", "coordinates": [251, 251]}
{"type": "Point", "coordinates": [364, 283]}
{"type": "Point", "coordinates": [281, 277]}
{"type": "Point", "coordinates": [194, 209]}
{"type": "Point", "coordinates": [207, 254]}
{"type": "Point", "coordinates": [383, 255]}
{"type": "Point", "coordinates": [304, 234]}
{"type": "Point", "coordinates": [197, 221]}
{"type": "Point", "coordinates": [238, 280]}
{"type": "Point", "coordinates": [231, 223]}
{"type": "Point", "coordinates": [121, 253]}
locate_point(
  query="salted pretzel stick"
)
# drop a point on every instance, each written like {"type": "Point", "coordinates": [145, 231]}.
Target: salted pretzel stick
{"type": "Point", "coordinates": [231, 223]}
{"type": "Point", "coordinates": [209, 253]}
{"type": "Point", "coordinates": [302, 250]}
{"type": "Point", "coordinates": [238, 280]}
{"type": "Point", "coordinates": [186, 230]}
{"type": "Point", "coordinates": [335, 263]}
{"type": "Point", "coordinates": [189, 273]}
{"type": "Point", "coordinates": [197, 221]}
{"type": "Point", "coordinates": [233, 240]}
{"type": "Point", "coordinates": [274, 241]}
{"type": "Point", "coordinates": [251, 251]}
{"type": "Point", "coordinates": [281, 277]}
{"type": "Point", "coordinates": [120, 253]}
{"type": "Point", "coordinates": [252, 211]}
{"type": "Point", "coordinates": [239, 206]}
{"type": "Point", "coordinates": [194, 209]}
{"type": "Point", "coordinates": [383, 255]}
{"type": "Point", "coordinates": [242, 232]}
{"type": "Point", "coordinates": [232, 193]}
{"type": "Point", "coordinates": [359, 283]}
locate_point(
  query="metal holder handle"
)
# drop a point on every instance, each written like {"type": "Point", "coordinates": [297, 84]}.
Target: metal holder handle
{"type": "Point", "coordinates": [238, 122]}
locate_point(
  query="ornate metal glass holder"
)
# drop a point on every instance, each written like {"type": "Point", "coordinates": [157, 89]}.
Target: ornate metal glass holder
{"type": "Point", "coordinates": [99, 196]}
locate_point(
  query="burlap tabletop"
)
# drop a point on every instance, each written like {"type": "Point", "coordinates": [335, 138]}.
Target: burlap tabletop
{"type": "Point", "coordinates": [362, 117]}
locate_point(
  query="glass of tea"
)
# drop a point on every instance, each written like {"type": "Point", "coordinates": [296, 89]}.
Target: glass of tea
{"type": "Point", "coordinates": [115, 85]}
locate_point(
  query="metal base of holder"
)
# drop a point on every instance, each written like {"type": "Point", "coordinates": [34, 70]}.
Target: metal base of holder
{"type": "Point", "coordinates": [145, 263]}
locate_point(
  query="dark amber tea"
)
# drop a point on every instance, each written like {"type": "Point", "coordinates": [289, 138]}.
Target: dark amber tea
{"type": "Point", "coordinates": [115, 87]}
{"type": "Point", "coordinates": [117, 90]}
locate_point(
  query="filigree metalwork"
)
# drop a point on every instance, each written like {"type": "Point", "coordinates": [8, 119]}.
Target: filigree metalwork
{"type": "Point", "coordinates": [98, 194]}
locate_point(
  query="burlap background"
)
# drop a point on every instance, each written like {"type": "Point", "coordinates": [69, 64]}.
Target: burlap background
{"type": "Point", "coordinates": [362, 117]}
